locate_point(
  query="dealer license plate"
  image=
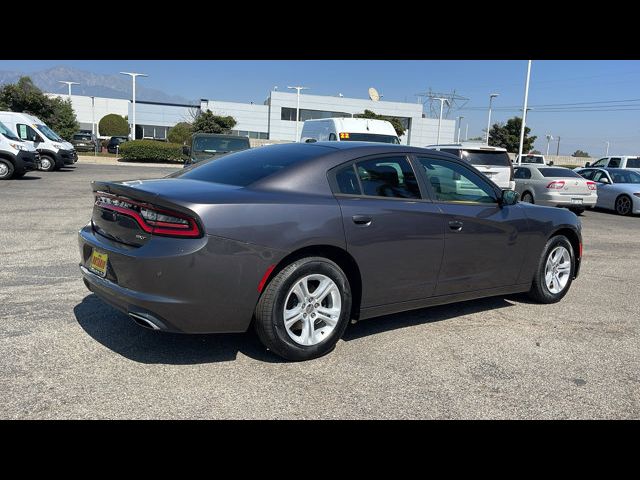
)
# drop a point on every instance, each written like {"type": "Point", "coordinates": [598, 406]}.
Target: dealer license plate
{"type": "Point", "coordinates": [98, 263]}
{"type": "Point", "coordinates": [576, 201]}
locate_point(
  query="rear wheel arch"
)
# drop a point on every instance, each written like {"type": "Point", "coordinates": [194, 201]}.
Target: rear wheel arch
{"type": "Point", "coordinates": [337, 255]}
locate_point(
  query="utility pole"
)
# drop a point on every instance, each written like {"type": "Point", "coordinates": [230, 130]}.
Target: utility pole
{"type": "Point", "coordinates": [491, 97]}
{"type": "Point", "coordinates": [459, 127]}
{"type": "Point", "coordinates": [558, 149]}
{"type": "Point", "coordinates": [524, 113]}
{"type": "Point", "coordinates": [466, 132]}
{"type": "Point", "coordinates": [297, 89]}
{"type": "Point", "coordinates": [133, 78]}
{"type": "Point", "coordinates": [607, 154]}
{"type": "Point", "coordinates": [549, 138]}
{"type": "Point", "coordinates": [442, 100]}
{"type": "Point", "coordinates": [94, 130]}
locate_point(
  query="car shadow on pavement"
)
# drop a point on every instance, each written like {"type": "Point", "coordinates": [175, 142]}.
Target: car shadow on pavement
{"type": "Point", "coordinates": [424, 315]}
{"type": "Point", "coordinates": [119, 333]}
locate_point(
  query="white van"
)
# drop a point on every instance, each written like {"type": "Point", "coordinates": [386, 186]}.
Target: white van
{"type": "Point", "coordinates": [494, 162]}
{"type": "Point", "coordinates": [348, 130]}
{"type": "Point", "coordinates": [54, 151]}
{"type": "Point", "coordinates": [16, 157]}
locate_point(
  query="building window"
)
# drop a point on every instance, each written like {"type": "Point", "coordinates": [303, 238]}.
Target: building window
{"type": "Point", "coordinates": [289, 114]}
{"type": "Point", "coordinates": [250, 134]}
{"type": "Point", "coordinates": [153, 131]}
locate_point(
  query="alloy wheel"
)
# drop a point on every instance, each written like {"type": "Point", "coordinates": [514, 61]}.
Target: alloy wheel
{"type": "Point", "coordinates": [623, 205]}
{"type": "Point", "coordinates": [557, 270]}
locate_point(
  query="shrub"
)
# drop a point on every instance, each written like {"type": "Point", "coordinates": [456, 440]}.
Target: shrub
{"type": "Point", "coordinates": [113, 125]}
{"type": "Point", "coordinates": [150, 150]}
{"type": "Point", "coordinates": [180, 133]}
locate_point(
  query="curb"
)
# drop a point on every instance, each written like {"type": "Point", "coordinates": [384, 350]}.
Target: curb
{"type": "Point", "coordinates": [95, 160]}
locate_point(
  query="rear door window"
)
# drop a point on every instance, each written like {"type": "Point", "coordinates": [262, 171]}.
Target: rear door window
{"type": "Point", "coordinates": [388, 177]}
{"type": "Point", "coordinates": [633, 162]}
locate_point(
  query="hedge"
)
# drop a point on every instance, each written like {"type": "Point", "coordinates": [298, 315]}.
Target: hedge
{"type": "Point", "coordinates": [150, 151]}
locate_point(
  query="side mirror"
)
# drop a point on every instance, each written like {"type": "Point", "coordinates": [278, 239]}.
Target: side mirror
{"type": "Point", "coordinates": [186, 150]}
{"type": "Point", "coordinates": [588, 164]}
{"type": "Point", "coordinates": [550, 162]}
{"type": "Point", "coordinates": [604, 180]}
{"type": "Point", "coordinates": [509, 197]}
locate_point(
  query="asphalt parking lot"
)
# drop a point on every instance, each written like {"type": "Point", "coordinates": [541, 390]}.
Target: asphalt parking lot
{"type": "Point", "coordinates": [65, 354]}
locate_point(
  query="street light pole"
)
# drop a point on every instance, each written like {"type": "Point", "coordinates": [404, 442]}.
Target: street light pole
{"type": "Point", "coordinates": [491, 97]}
{"type": "Point", "coordinates": [607, 154]}
{"type": "Point", "coordinates": [524, 113]}
{"type": "Point", "coordinates": [549, 138]}
{"type": "Point", "coordinates": [94, 130]}
{"type": "Point", "coordinates": [558, 149]}
{"type": "Point", "coordinates": [297, 89]}
{"type": "Point", "coordinates": [69, 85]}
{"type": "Point", "coordinates": [466, 132]}
{"type": "Point", "coordinates": [133, 78]}
{"type": "Point", "coordinates": [442, 100]}
{"type": "Point", "coordinates": [459, 127]}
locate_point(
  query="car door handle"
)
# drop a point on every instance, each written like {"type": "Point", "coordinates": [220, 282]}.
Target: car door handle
{"type": "Point", "coordinates": [455, 225]}
{"type": "Point", "coordinates": [362, 220]}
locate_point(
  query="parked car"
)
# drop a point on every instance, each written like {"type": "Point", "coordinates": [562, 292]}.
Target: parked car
{"type": "Point", "coordinates": [16, 157]}
{"type": "Point", "coordinates": [620, 161]}
{"type": "Point", "coordinates": [84, 142]}
{"type": "Point", "coordinates": [555, 187]}
{"type": "Point", "coordinates": [618, 189]}
{"type": "Point", "coordinates": [494, 162]}
{"type": "Point", "coordinates": [206, 146]}
{"type": "Point", "coordinates": [114, 144]}
{"type": "Point", "coordinates": [54, 151]}
{"type": "Point", "coordinates": [303, 237]}
{"type": "Point", "coordinates": [348, 130]}
{"type": "Point", "coordinates": [534, 158]}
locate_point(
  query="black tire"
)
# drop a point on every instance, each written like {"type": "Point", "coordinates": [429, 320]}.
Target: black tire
{"type": "Point", "coordinates": [527, 198]}
{"type": "Point", "coordinates": [269, 319]}
{"type": "Point", "coordinates": [577, 211]}
{"type": "Point", "coordinates": [539, 290]}
{"type": "Point", "coordinates": [624, 205]}
{"type": "Point", "coordinates": [6, 169]}
{"type": "Point", "coordinates": [49, 162]}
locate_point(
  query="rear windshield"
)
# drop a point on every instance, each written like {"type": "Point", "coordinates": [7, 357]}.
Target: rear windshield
{"type": "Point", "coordinates": [368, 137]}
{"type": "Point", "coordinates": [480, 157]}
{"type": "Point", "coordinates": [531, 159]}
{"type": "Point", "coordinates": [249, 166]}
{"type": "Point", "coordinates": [558, 172]}
{"type": "Point", "coordinates": [82, 136]}
{"type": "Point", "coordinates": [219, 145]}
{"type": "Point", "coordinates": [633, 162]}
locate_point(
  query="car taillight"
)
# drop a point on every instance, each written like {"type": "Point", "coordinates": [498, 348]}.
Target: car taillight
{"type": "Point", "coordinates": [592, 185]}
{"type": "Point", "coordinates": [556, 185]}
{"type": "Point", "coordinates": [152, 219]}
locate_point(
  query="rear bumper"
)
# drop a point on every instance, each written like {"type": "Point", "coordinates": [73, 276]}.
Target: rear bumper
{"type": "Point", "coordinates": [204, 285]}
{"type": "Point", "coordinates": [564, 200]}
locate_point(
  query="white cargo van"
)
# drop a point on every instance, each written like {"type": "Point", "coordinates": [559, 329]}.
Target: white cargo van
{"type": "Point", "coordinates": [16, 157]}
{"type": "Point", "coordinates": [348, 130]}
{"type": "Point", "coordinates": [494, 162]}
{"type": "Point", "coordinates": [54, 151]}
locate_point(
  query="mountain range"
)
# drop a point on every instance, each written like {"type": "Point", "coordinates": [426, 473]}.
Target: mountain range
{"type": "Point", "coordinates": [91, 84]}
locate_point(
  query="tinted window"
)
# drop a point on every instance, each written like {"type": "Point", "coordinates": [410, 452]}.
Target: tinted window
{"type": "Point", "coordinates": [532, 159]}
{"type": "Point", "coordinates": [388, 177]}
{"type": "Point", "coordinates": [248, 166]}
{"type": "Point", "coordinates": [219, 145]}
{"type": "Point", "coordinates": [481, 157]}
{"type": "Point", "coordinates": [332, 137]}
{"type": "Point", "coordinates": [588, 174]}
{"type": "Point", "coordinates": [558, 172]}
{"type": "Point", "coordinates": [452, 182]}
{"type": "Point", "coordinates": [347, 181]}
{"type": "Point", "coordinates": [600, 163]}
{"type": "Point", "coordinates": [452, 151]}
{"type": "Point", "coordinates": [522, 173]}
{"type": "Point", "coordinates": [625, 176]}
{"type": "Point", "coordinates": [633, 162]}
{"type": "Point", "coordinates": [614, 163]}
{"type": "Point", "coordinates": [82, 136]}
{"type": "Point", "coordinates": [368, 137]}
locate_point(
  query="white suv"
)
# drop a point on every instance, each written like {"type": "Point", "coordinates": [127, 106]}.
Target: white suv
{"type": "Point", "coordinates": [494, 162]}
{"type": "Point", "coordinates": [621, 161]}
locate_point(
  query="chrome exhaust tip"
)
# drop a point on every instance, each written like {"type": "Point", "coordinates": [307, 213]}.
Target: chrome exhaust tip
{"type": "Point", "coordinates": [143, 320]}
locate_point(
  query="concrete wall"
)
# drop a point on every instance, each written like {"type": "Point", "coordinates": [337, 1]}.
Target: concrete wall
{"type": "Point", "coordinates": [563, 159]}
{"type": "Point", "coordinates": [161, 115]}
{"type": "Point", "coordinates": [253, 118]}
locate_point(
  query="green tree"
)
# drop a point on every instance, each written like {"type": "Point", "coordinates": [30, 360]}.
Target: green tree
{"type": "Point", "coordinates": [476, 139]}
{"type": "Point", "coordinates": [207, 122]}
{"type": "Point", "coordinates": [580, 153]}
{"type": "Point", "coordinates": [508, 135]}
{"type": "Point", "coordinates": [180, 133]}
{"type": "Point", "coordinates": [397, 124]}
{"type": "Point", "coordinates": [536, 152]}
{"type": "Point", "coordinates": [113, 125]}
{"type": "Point", "coordinates": [24, 96]}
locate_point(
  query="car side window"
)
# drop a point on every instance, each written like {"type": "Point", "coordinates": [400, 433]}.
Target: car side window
{"type": "Point", "coordinates": [388, 177]}
{"type": "Point", "coordinates": [614, 163]}
{"type": "Point", "coordinates": [332, 137]}
{"type": "Point", "coordinates": [346, 181]}
{"type": "Point", "coordinates": [25, 132]}
{"type": "Point", "coordinates": [451, 182]}
{"type": "Point", "coordinates": [600, 163]}
{"type": "Point", "coordinates": [588, 174]}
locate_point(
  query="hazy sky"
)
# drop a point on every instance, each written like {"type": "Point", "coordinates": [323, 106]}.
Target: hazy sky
{"type": "Point", "coordinates": [586, 124]}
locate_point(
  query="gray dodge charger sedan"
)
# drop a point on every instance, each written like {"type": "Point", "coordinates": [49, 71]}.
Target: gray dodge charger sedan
{"type": "Point", "coordinates": [296, 240]}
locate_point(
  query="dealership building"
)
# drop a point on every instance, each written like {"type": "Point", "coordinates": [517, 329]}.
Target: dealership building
{"type": "Point", "coordinates": [275, 119]}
